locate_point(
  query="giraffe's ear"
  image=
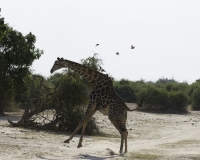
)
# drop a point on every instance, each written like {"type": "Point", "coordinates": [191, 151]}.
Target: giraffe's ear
{"type": "Point", "coordinates": [58, 58]}
{"type": "Point", "coordinates": [62, 58]}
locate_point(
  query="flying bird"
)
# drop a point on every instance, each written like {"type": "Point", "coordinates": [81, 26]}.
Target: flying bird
{"type": "Point", "coordinates": [96, 45]}
{"type": "Point", "coordinates": [132, 47]}
{"type": "Point", "coordinates": [101, 69]}
{"type": "Point", "coordinates": [117, 53]}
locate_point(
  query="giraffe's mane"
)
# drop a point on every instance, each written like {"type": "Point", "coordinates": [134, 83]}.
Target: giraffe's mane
{"type": "Point", "coordinates": [88, 67]}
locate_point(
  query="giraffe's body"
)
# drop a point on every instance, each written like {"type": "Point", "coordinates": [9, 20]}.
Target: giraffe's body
{"type": "Point", "coordinates": [103, 98]}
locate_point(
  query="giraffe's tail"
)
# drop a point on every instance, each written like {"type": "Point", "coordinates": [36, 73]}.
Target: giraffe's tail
{"type": "Point", "coordinates": [139, 105]}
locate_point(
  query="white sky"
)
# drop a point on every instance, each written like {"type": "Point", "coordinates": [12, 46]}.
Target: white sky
{"type": "Point", "coordinates": [166, 34]}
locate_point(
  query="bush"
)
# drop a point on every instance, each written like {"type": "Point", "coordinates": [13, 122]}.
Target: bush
{"type": "Point", "coordinates": [159, 99]}
{"type": "Point", "coordinates": [175, 86]}
{"type": "Point", "coordinates": [154, 98]}
{"type": "Point", "coordinates": [126, 92]}
{"type": "Point", "coordinates": [178, 101]}
{"type": "Point", "coordinates": [195, 97]}
{"type": "Point", "coordinates": [69, 100]}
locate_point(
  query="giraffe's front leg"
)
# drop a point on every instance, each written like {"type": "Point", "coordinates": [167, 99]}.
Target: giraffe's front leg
{"type": "Point", "coordinates": [76, 130]}
{"type": "Point", "coordinates": [88, 115]}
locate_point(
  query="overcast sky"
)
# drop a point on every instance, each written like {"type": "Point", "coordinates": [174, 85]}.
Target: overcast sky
{"type": "Point", "coordinates": [166, 34]}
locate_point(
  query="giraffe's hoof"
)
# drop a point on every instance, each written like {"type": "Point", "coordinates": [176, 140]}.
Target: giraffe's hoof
{"type": "Point", "coordinates": [79, 145]}
{"type": "Point", "coordinates": [121, 154]}
{"type": "Point", "coordinates": [66, 141]}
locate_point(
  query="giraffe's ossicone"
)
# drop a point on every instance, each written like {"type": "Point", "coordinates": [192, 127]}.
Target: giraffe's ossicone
{"type": "Point", "coordinates": [102, 98]}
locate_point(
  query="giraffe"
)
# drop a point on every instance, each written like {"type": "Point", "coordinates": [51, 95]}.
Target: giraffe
{"type": "Point", "coordinates": [103, 98]}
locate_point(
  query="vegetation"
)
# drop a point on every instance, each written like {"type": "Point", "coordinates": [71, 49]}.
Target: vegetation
{"type": "Point", "coordinates": [195, 95]}
{"type": "Point", "coordinates": [17, 53]}
{"type": "Point", "coordinates": [93, 62]}
{"type": "Point", "coordinates": [163, 95]}
{"type": "Point", "coordinates": [66, 94]}
{"type": "Point", "coordinates": [36, 99]}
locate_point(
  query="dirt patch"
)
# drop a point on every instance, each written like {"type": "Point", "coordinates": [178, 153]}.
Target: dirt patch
{"type": "Point", "coordinates": [151, 136]}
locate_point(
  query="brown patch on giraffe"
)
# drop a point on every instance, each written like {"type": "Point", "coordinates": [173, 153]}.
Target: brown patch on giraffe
{"type": "Point", "coordinates": [102, 98]}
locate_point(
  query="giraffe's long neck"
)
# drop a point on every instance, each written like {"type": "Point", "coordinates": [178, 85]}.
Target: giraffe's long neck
{"type": "Point", "coordinates": [90, 74]}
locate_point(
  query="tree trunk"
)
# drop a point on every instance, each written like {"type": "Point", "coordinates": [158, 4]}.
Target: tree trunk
{"type": "Point", "coordinates": [25, 120]}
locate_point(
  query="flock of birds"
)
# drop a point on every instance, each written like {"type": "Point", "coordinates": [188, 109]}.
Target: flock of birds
{"type": "Point", "coordinates": [132, 47]}
{"type": "Point", "coordinates": [101, 69]}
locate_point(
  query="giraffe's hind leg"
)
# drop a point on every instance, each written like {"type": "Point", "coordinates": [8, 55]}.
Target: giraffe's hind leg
{"type": "Point", "coordinates": [126, 135]}
{"type": "Point", "coordinates": [123, 132]}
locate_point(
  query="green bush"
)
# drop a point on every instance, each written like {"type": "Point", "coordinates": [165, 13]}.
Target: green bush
{"type": "Point", "coordinates": [126, 92]}
{"type": "Point", "coordinates": [178, 101]}
{"type": "Point", "coordinates": [154, 98]}
{"type": "Point", "coordinates": [195, 97]}
{"type": "Point", "coordinates": [69, 100]}
{"type": "Point", "coordinates": [160, 99]}
{"type": "Point", "coordinates": [175, 86]}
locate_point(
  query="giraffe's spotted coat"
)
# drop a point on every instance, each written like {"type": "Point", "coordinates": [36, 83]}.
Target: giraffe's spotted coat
{"type": "Point", "coordinates": [103, 98]}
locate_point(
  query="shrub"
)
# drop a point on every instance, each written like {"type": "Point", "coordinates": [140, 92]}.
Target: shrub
{"type": "Point", "coordinates": [159, 99]}
{"type": "Point", "coordinates": [178, 101]}
{"type": "Point", "coordinates": [195, 97]}
{"type": "Point", "coordinates": [126, 92]}
{"type": "Point", "coordinates": [154, 98]}
{"type": "Point", "coordinates": [69, 100]}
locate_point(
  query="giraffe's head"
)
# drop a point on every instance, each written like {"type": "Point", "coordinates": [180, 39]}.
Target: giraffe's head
{"type": "Point", "coordinates": [59, 63]}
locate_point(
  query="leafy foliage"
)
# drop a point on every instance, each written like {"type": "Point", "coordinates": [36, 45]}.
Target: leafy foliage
{"type": "Point", "coordinates": [69, 99]}
{"type": "Point", "coordinates": [178, 101]}
{"type": "Point", "coordinates": [35, 100]}
{"type": "Point", "coordinates": [154, 97]}
{"type": "Point", "coordinates": [164, 95]}
{"type": "Point", "coordinates": [195, 95]}
{"type": "Point", "coordinates": [17, 53]}
{"type": "Point", "coordinates": [93, 62]}
{"type": "Point", "coordinates": [126, 92]}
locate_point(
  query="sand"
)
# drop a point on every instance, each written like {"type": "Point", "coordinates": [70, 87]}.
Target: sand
{"type": "Point", "coordinates": [151, 136]}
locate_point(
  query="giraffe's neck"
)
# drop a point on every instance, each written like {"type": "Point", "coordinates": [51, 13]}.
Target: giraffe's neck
{"type": "Point", "coordinates": [90, 74]}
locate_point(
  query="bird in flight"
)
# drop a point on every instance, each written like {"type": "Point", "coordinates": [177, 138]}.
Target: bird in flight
{"type": "Point", "coordinates": [101, 69]}
{"type": "Point", "coordinates": [117, 53]}
{"type": "Point", "coordinates": [132, 47]}
{"type": "Point", "coordinates": [96, 45]}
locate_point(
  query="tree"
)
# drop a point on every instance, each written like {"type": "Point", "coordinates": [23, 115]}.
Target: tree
{"type": "Point", "coordinates": [93, 62]}
{"type": "Point", "coordinates": [125, 89]}
{"type": "Point", "coordinates": [195, 95]}
{"type": "Point", "coordinates": [68, 100]}
{"type": "Point", "coordinates": [36, 99]}
{"type": "Point", "coordinates": [63, 94]}
{"type": "Point", "coordinates": [17, 53]}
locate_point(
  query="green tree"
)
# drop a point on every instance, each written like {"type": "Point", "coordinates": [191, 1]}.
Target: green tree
{"type": "Point", "coordinates": [195, 95]}
{"type": "Point", "coordinates": [178, 101]}
{"type": "Point", "coordinates": [125, 90]}
{"type": "Point", "coordinates": [68, 100]}
{"type": "Point", "coordinates": [17, 53]}
{"type": "Point", "coordinates": [93, 62]}
{"type": "Point", "coordinates": [54, 79]}
{"type": "Point", "coordinates": [36, 99]}
{"type": "Point", "coordinates": [154, 97]}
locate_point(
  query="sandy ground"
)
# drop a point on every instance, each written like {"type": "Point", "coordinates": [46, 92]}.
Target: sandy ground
{"type": "Point", "coordinates": [151, 136]}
